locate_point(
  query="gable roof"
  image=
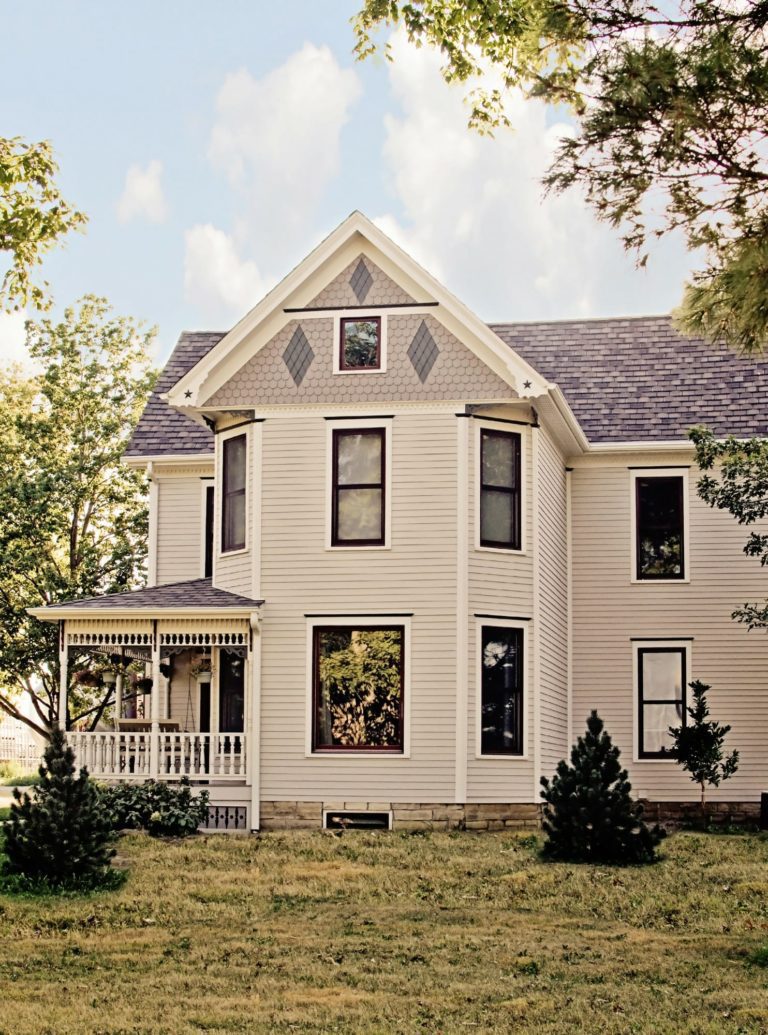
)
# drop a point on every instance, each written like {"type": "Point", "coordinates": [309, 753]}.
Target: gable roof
{"type": "Point", "coordinates": [626, 380]}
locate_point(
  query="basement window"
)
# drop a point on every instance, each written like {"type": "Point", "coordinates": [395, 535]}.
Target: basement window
{"type": "Point", "coordinates": [357, 820]}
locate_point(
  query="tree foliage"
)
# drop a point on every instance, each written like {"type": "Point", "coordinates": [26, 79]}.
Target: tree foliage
{"type": "Point", "coordinates": [33, 218]}
{"type": "Point", "coordinates": [738, 484]}
{"type": "Point", "coordinates": [589, 815]}
{"type": "Point", "coordinates": [73, 518]}
{"type": "Point", "coordinates": [698, 744]}
{"type": "Point", "coordinates": [670, 104]}
{"type": "Point", "coordinates": [59, 835]}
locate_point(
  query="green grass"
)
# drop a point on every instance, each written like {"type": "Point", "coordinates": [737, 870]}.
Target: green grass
{"type": "Point", "coordinates": [390, 933]}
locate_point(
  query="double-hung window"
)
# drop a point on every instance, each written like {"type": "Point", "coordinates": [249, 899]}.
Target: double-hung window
{"type": "Point", "coordinates": [500, 497]}
{"type": "Point", "coordinates": [358, 688]}
{"type": "Point", "coordinates": [659, 527]}
{"type": "Point", "coordinates": [358, 487]}
{"type": "Point", "coordinates": [233, 503]}
{"type": "Point", "coordinates": [661, 688]}
{"type": "Point", "coordinates": [501, 690]}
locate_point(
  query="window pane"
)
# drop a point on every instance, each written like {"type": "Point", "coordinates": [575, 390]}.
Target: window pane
{"type": "Point", "coordinates": [497, 513]}
{"type": "Point", "coordinates": [234, 522]}
{"type": "Point", "coordinates": [358, 514]}
{"type": "Point", "coordinates": [660, 527]}
{"type": "Point", "coordinates": [662, 675]}
{"type": "Point", "coordinates": [231, 693]}
{"type": "Point", "coordinates": [361, 343]}
{"type": "Point", "coordinates": [499, 453]}
{"type": "Point", "coordinates": [359, 459]}
{"type": "Point", "coordinates": [358, 688]}
{"type": "Point", "coordinates": [502, 692]}
{"type": "Point", "coordinates": [657, 718]}
{"type": "Point", "coordinates": [234, 464]}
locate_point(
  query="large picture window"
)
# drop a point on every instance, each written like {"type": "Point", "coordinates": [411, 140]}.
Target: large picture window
{"type": "Point", "coordinates": [358, 688]}
{"type": "Point", "coordinates": [659, 523]}
{"type": "Point", "coordinates": [358, 487]}
{"type": "Point", "coordinates": [501, 691]}
{"type": "Point", "coordinates": [661, 677]}
{"type": "Point", "coordinates": [233, 507]}
{"type": "Point", "coordinates": [500, 517]}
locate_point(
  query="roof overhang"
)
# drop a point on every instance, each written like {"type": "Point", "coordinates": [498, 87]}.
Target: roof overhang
{"type": "Point", "coordinates": [355, 235]}
{"type": "Point", "coordinates": [159, 459]}
{"type": "Point", "coordinates": [57, 614]}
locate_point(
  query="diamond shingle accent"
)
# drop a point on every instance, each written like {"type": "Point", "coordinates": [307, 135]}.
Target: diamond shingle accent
{"type": "Point", "coordinates": [298, 356]}
{"type": "Point", "coordinates": [423, 352]}
{"type": "Point", "coordinates": [361, 281]}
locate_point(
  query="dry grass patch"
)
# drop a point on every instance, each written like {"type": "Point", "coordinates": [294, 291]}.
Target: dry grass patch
{"type": "Point", "coordinates": [394, 933]}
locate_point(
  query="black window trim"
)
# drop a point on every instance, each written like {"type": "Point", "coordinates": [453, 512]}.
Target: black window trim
{"type": "Point", "coordinates": [641, 652]}
{"type": "Point", "coordinates": [518, 626]}
{"type": "Point", "coordinates": [233, 548]}
{"type": "Point", "coordinates": [343, 321]}
{"type": "Point", "coordinates": [516, 493]}
{"type": "Point", "coordinates": [646, 474]}
{"type": "Point", "coordinates": [336, 434]}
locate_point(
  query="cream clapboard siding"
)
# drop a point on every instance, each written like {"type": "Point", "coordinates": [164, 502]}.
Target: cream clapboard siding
{"type": "Point", "coordinates": [608, 609]}
{"type": "Point", "coordinates": [234, 571]}
{"type": "Point", "coordinates": [553, 591]}
{"type": "Point", "coordinates": [179, 527]}
{"type": "Point", "coordinates": [500, 584]}
{"type": "Point", "coordinates": [300, 576]}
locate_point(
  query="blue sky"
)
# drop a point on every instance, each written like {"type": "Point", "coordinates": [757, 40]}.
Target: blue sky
{"type": "Point", "coordinates": [212, 146]}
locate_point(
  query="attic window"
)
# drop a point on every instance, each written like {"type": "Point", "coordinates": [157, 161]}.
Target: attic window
{"type": "Point", "coordinates": [360, 345]}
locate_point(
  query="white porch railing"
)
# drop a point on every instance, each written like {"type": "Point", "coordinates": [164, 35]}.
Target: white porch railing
{"type": "Point", "coordinates": [129, 756]}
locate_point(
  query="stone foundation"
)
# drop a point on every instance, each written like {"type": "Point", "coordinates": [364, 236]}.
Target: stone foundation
{"type": "Point", "coordinates": [688, 813]}
{"type": "Point", "coordinates": [308, 815]}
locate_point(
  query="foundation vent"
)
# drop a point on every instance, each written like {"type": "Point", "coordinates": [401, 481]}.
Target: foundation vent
{"type": "Point", "coordinates": [227, 817]}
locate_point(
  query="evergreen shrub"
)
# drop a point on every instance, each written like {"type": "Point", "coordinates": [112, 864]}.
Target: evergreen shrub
{"type": "Point", "coordinates": [589, 813]}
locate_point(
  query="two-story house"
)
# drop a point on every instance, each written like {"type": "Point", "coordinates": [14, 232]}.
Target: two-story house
{"type": "Point", "coordinates": [397, 555]}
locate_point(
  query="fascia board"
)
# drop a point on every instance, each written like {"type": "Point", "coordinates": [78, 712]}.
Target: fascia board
{"type": "Point", "coordinates": [56, 614]}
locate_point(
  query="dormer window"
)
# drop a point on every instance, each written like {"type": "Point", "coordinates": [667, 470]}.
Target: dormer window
{"type": "Point", "coordinates": [360, 345]}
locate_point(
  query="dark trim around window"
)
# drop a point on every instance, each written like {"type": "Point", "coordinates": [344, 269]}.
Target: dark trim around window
{"type": "Point", "coordinates": [342, 341]}
{"type": "Point", "coordinates": [208, 533]}
{"type": "Point", "coordinates": [641, 702]}
{"type": "Point", "coordinates": [657, 527]}
{"type": "Point", "coordinates": [337, 490]}
{"type": "Point", "coordinates": [511, 733]}
{"type": "Point", "coordinates": [230, 497]}
{"type": "Point", "coordinates": [514, 539]}
{"type": "Point", "coordinates": [397, 748]}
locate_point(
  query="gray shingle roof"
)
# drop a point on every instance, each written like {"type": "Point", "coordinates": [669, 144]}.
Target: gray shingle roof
{"type": "Point", "coordinates": [198, 593]}
{"type": "Point", "coordinates": [626, 379]}
{"type": "Point", "coordinates": [162, 431]}
{"type": "Point", "coordinates": [637, 379]}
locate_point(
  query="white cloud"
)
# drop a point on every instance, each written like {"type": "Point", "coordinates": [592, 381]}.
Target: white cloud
{"type": "Point", "coordinates": [475, 214]}
{"type": "Point", "coordinates": [216, 278]}
{"type": "Point", "coordinates": [143, 195]}
{"type": "Point", "coordinates": [277, 141]}
{"type": "Point", "coordinates": [12, 340]}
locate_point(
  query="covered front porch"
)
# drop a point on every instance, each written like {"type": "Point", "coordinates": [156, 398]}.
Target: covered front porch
{"type": "Point", "coordinates": [175, 669]}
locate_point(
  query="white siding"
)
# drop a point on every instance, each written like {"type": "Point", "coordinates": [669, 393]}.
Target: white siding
{"type": "Point", "coordinates": [179, 528]}
{"type": "Point", "coordinates": [301, 576]}
{"type": "Point", "coordinates": [608, 610]}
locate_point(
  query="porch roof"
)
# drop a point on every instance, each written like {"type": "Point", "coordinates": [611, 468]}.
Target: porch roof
{"type": "Point", "coordinates": [195, 598]}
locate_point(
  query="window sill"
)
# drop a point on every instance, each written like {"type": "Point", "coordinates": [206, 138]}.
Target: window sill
{"type": "Point", "coordinates": [507, 551]}
{"type": "Point", "coordinates": [363, 370]}
{"type": "Point", "coordinates": [356, 549]}
{"type": "Point", "coordinates": [659, 582]}
{"type": "Point", "coordinates": [233, 553]}
{"type": "Point", "coordinates": [500, 758]}
{"type": "Point", "coordinates": [337, 754]}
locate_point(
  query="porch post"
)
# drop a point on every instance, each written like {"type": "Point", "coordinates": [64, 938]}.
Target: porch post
{"type": "Point", "coordinates": [254, 725]}
{"type": "Point", "coordinates": [63, 677]}
{"type": "Point", "coordinates": [154, 706]}
{"type": "Point", "coordinates": [118, 699]}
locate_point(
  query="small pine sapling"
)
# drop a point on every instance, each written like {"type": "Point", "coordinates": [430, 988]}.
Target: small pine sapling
{"type": "Point", "coordinates": [589, 813]}
{"type": "Point", "coordinates": [59, 836]}
{"type": "Point", "coordinates": [698, 744]}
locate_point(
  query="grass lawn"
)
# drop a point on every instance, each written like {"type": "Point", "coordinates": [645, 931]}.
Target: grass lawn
{"type": "Point", "coordinates": [310, 932]}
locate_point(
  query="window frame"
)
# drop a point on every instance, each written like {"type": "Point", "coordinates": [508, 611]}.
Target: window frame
{"type": "Point", "coordinates": [527, 687]}
{"type": "Point", "coordinates": [224, 438]}
{"type": "Point", "coordinates": [358, 314]}
{"type": "Point", "coordinates": [640, 649]}
{"type": "Point", "coordinates": [659, 472]}
{"type": "Point", "coordinates": [377, 621]}
{"type": "Point", "coordinates": [356, 425]}
{"type": "Point", "coordinates": [493, 427]}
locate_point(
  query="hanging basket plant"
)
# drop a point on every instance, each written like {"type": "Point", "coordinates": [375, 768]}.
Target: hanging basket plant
{"type": "Point", "coordinates": [202, 670]}
{"type": "Point", "coordinates": [88, 677]}
{"type": "Point", "coordinates": [142, 685]}
{"type": "Point", "coordinates": [109, 677]}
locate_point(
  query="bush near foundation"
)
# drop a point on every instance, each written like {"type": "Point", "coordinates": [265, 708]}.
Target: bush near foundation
{"type": "Point", "coordinates": [589, 813]}
{"type": "Point", "coordinates": [163, 810]}
{"type": "Point", "coordinates": [58, 837]}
